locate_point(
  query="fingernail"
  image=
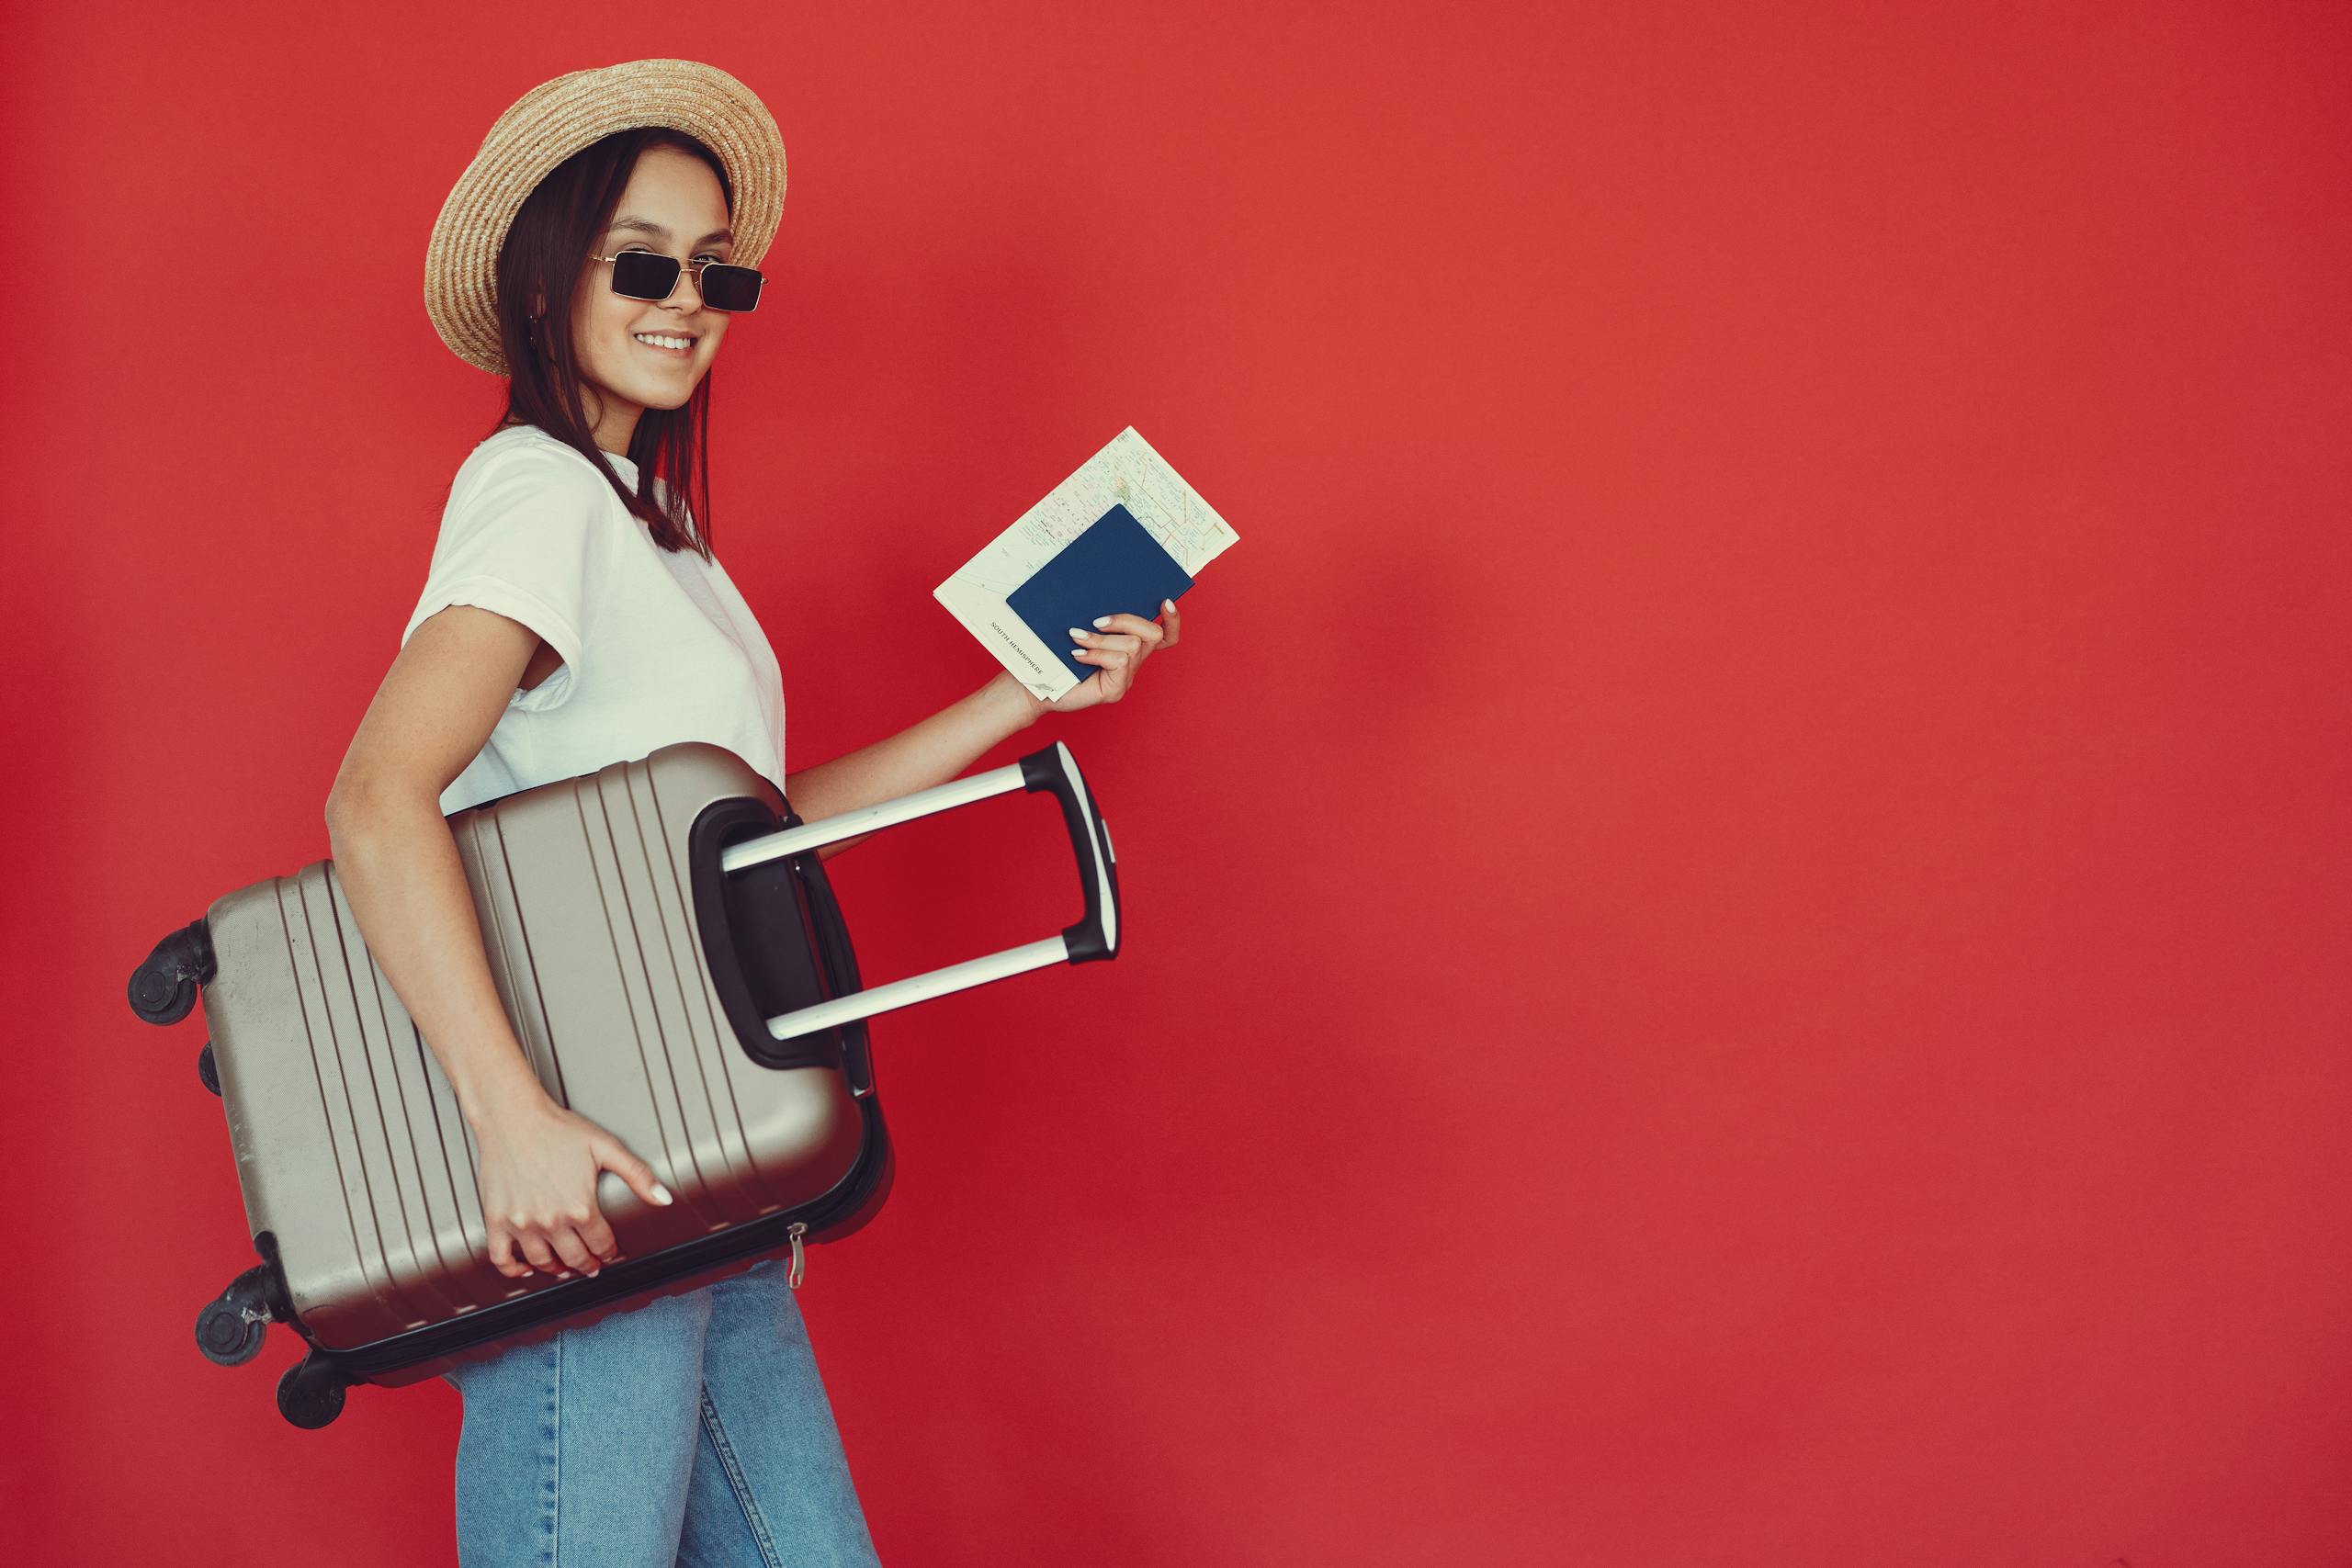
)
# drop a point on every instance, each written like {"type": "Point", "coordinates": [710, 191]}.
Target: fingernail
{"type": "Point", "coordinates": [1168, 603]}
{"type": "Point", "coordinates": [1102, 620]}
{"type": "Point", "coordinates": [1076, 635]}
{"type": "Point", "coordinates": [661, 1193]}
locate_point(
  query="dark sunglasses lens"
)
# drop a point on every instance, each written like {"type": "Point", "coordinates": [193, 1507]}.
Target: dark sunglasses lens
{"type": "Point", "coordinates": [729, 288]}
{"type": "Point", "coordinates": [644, 274]}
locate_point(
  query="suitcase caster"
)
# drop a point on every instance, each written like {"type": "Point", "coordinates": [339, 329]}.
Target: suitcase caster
{"type": "Point", "coordinates": [207, 1070]}
{"type": "Point", "coordinates": [230, 1328]}
{"type": "Point", "coordinates": [163, 988]}
{"type": "Point", "coordinates": [310, 1393]}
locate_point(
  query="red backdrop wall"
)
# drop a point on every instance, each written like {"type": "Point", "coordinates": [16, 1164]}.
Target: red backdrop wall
{"type": "Point", "coordinates": [1738, 894]}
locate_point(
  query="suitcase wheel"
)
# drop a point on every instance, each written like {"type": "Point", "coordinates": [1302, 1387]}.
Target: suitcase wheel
{"type": "Point", "coordinates": [309, 1395]}
{"type": "Point", "coordinates": [229, 1327]}
{"type": "Point", "coordinates": [225, 1337]}
{"type": "Point", "coordinates": [163, 988]}
{"type": "Point", "coordinates": [206, 1070]}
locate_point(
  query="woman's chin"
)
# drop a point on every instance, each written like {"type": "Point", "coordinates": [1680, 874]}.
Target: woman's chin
{"type": "Point", "coordinates": [653, 392]}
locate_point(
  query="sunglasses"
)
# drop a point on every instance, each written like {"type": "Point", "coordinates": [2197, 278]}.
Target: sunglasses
{"type": "Point", "coordinates": [649, 275]}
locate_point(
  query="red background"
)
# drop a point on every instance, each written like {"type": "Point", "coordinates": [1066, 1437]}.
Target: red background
{"type": "Point", "coordinates": [1738, 894]}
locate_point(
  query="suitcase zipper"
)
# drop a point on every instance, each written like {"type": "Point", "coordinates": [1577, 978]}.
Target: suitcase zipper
{"type": "Point", "coordinates": [795, 1231]}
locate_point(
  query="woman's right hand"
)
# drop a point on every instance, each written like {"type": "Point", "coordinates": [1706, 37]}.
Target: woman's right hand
{"type": "Point", "coordinates": [540, 1164]}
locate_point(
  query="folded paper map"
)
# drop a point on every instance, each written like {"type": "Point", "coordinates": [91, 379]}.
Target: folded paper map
{"type": "Point", "coordinates": [1120, 534]}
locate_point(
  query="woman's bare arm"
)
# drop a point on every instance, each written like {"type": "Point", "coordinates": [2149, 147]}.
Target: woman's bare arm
{"type": "Point", "coordinates": [931, 753]}
{"type": "Point", "coordinates": [398, 860]}
{"type": "Point", "coordinates": [399, 865]}
{"type": "Point", "coordinates": [943, 745]}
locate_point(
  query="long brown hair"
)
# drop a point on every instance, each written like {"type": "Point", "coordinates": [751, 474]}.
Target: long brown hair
{"type": "Point", "coordinates": [542, 260]}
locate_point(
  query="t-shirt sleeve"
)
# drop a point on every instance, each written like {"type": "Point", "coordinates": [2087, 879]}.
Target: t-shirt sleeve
{"type": "Point", "coordinates": [520, 539]}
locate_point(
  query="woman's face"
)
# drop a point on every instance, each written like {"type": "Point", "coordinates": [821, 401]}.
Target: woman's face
{"type": "Point", "coordinates": [673, 204]}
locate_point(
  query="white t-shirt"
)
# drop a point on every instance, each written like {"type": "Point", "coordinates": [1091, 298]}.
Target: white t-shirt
{"type": "Point", "coordinates": [657, 646]}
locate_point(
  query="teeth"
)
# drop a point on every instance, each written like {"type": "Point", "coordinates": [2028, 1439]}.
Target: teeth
{"type": "Point", "coordinates": [661, 341]}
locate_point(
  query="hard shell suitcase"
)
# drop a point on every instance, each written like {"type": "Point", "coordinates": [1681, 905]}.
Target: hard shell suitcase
{"type": "Point", "coordinates": [669, 951]}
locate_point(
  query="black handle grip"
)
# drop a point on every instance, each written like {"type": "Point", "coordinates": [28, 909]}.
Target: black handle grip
{"type": "Point", "coordinates": [1097, 936]}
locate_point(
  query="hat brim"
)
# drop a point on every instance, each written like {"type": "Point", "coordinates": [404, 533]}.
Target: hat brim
{"type": "Point", "coordinates": [551, 123]}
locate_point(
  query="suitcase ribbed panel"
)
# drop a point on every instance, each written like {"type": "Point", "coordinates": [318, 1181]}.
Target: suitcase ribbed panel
{"type": "Point", "coordinates": [446, 1214]}
{"type": "Point", "coordinates": [629, 878]}
{"type": "Point", "coordinates": [345, 1062]}
{"type": "Point", "coordinates": [350, 1146]}
{"type": "Point", "coordinates": [392, 1238]}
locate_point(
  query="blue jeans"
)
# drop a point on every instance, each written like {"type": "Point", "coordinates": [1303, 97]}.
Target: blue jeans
{"type": "Point", "coordinates": [691, 1430]}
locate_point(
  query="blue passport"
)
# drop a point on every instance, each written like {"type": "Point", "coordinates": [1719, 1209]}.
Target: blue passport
{"type": "Point", "coordinates": [1114, 566]}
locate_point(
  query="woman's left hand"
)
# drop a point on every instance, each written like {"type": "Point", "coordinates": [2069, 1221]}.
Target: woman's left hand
{"type": "Point", "coordinates": [1116, 652]}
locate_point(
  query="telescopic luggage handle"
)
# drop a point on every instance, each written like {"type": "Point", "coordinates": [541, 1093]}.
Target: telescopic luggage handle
{"type": "Point", "coordinates": [1093, 937]}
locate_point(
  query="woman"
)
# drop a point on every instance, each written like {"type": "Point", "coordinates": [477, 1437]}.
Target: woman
{"type": "Point", "coordinates": [575, 617]}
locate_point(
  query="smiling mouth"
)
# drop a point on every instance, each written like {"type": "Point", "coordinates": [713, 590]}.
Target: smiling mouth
{"type": "Point", "coordinates": [686, 352]}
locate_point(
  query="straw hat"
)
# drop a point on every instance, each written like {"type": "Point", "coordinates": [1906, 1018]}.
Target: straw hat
{"type": "Point", "coordinates": [551, 123]}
